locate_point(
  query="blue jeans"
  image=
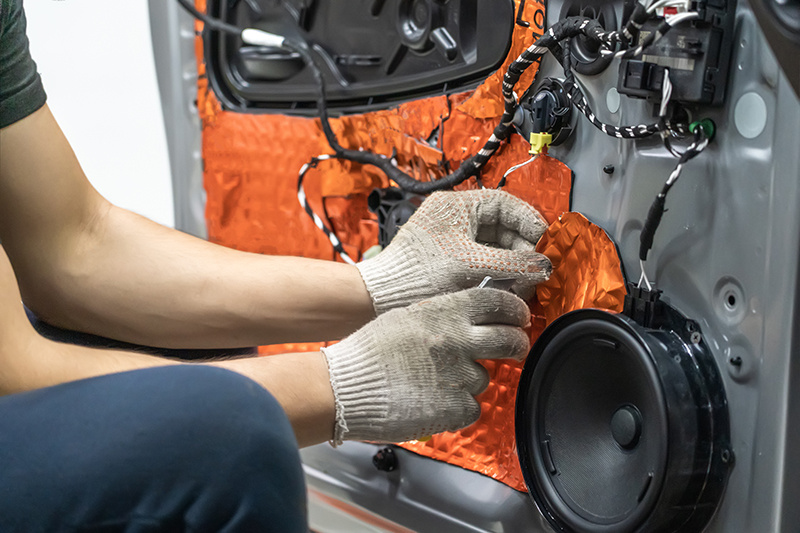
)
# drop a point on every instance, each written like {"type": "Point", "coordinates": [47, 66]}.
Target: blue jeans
{"type": "Point", "coordinates": [179, 448]}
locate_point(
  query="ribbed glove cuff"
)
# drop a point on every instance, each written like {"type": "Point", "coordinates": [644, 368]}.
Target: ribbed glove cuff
{"type": "Point", "coordinates": [396, 277]}
{"type": "Point", "coordinates": [359, 387]}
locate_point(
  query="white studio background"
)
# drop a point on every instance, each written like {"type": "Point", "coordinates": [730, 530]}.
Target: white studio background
{"type": "Point", "coordinates": [96, 61]}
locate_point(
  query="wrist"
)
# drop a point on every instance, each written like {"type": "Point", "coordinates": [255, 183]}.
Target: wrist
{"type": "Point", "coordinates": [396, 277]}
{"type": "Point", "coordinates": [300, 382]}
{"type": "Point", "coordinates": [359, 387]}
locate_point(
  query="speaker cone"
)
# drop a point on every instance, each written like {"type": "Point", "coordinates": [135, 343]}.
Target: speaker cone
{"type": "Point", "coordinates": [622, 427]}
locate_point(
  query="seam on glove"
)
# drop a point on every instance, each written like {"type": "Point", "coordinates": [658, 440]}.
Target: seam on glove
{"type": "Point", "coordinates": [340, 425]}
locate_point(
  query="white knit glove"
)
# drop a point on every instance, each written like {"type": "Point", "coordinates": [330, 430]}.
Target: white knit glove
{"type": "Point", "coordinates": [411, 372]}
{"type": "Point", "coordinates": [452, 242]}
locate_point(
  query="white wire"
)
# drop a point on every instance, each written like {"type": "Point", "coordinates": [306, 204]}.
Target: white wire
{"type": "Point", "coordinates": [515, 167]}
{"type": "Point", "coordinates": [262, 38]}
{"type": "Point", "coordinates": [675, 174]}
{"type": "Point", "coordinates": [303, 199]}
{"type": "Point", "coordinates": [643, 277]}
{"type": "Point", "coordinates": [672, 20]}
{"type": "Point", "coordinates": [666, 93]}
{"type": "Point", "coordinates": [679, 168]}
{"type": "Point", "coordinates": [665, 3]}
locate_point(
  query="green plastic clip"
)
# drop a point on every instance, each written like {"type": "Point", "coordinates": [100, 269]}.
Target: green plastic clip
{"type": "Point", "coordinates": [708, 126]}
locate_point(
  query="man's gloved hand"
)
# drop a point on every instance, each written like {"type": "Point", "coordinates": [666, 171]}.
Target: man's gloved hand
{"type": "Point", "coordinates": [452, 242]}
{"type": "Point", "coordinates": [411, 372]}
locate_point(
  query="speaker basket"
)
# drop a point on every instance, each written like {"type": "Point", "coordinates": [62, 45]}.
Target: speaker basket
{"type": "Point", "coordinates": [622, 427]}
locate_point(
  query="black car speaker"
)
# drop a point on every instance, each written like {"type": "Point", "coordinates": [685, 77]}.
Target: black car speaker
{"type": "Point", "coordinates": [622, 421]}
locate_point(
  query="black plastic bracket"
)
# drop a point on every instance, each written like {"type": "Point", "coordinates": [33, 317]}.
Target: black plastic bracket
{"type": "Point", "coordinates": [643, 306]}
{"type": "Point", "coordinates": [697, 54]}
{"type": "Point", "coordinates": [376, 54]}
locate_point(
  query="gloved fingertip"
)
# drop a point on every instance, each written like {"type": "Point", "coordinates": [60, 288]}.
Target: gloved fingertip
{"type": "Point", "coordinates": [482, 381]}
{"type": "Point", "coordinates": [473, 413]}
{"type": "Point", "coordinates": [521, 355]}
{"type": "Point", "coordinates": [497, 306]}
{"type": "Point", "coordinates": [524, 348]}
{"type": "Point", "coordinates": [525, 291]}
{"type": "Point", "coordinates": [539, 264]}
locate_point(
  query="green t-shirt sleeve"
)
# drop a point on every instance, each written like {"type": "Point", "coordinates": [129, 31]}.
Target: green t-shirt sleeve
{"type": "Point", "coordinates": [21, 91]}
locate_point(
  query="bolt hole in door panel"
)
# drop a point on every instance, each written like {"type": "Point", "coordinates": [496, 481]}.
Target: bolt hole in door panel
{"type": "Point", "coordinates": [725, 255]}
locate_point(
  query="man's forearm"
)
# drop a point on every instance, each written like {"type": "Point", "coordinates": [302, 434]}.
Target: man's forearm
{"type": "Point", "coordinates": [28, 361]}
{"type": "Point", "coordinates": [137, 281]}
{"type": "Point", "coordinates": [299, 382]}
{"type": "Point", "coordinates": [86, 265]}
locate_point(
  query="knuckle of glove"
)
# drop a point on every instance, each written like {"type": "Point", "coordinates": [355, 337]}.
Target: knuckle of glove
{"type": "Point", "coordinates": [517, 213]}
{"type": "Point", "coordinates": [462, 411]}
{"type": "Point", "coordinates": [500, 342]}
{"type": "Point", "coordinates": [517, 344]}
{"type": "Point", "coordinates": [460, 373]}
{"type": "Point", "coordinates": [437, 308]}
{"type": "Point", "coordinates": [473, 412]}
{"type": "Point", "coordinates": [476, 378]}
{"type": "Point", "coordinates": [450, 306]}
{"type": "Point", "coordinates": [441, 208]}
{"type": "Point", "coordinates": [452, 409]}
{"type": "Point", "coordinates": [493, 306]}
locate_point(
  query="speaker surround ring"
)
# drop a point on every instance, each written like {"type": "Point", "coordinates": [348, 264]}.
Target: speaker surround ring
{"type": "Point", "coordinates": [622, 427]}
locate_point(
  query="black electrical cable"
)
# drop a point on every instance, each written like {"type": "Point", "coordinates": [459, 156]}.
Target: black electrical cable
{"type": "Point", "coordinates": [627, 12]}
{"type": "Point", "coordinates": [568, 28]}
{"type": "Point", "coordinates": [658, 207]}
{"type": "Point", "coordinates": [593, 30]}
{"type": "Point", "coordinates": [384, 163]}
{"type": "Point", "coordinates": [633, 24]}
{"type": "Point", "coordinates": [566, 61]}
{"type": "Point", "coordinates": [652, 37]}
{"type": "Point", "coordinates": [671, 149]}
{"type": "Point", "coordinates": [553, 41]}
{"type": "Point", "coordinates": [550, 41]}
{"type": "Point", "coordinates": [210, 22]}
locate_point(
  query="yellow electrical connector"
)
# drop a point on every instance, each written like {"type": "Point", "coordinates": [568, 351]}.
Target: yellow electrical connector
{"type": "Point", "coordinates": [539, 141]}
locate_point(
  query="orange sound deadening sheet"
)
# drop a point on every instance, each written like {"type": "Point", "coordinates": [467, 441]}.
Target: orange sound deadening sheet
{"type": "Point", "coordinates": [251, 163]}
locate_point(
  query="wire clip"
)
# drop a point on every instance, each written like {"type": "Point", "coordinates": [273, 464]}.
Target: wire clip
{"type": "Point", "coordinates": [707, 125]}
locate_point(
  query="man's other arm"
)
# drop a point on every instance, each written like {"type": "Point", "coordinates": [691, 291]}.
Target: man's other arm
{"type": "Point", "coordinates": [299, 382]}
{"type": "Point", "coordinates": [87, 265]}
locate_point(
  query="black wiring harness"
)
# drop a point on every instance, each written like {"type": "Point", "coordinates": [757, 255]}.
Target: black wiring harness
{"type": "Point", "coordinates": [555, 40]}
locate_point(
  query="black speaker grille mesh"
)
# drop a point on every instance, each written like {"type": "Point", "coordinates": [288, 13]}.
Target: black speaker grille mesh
{"type": "Point", "coordinates": [594, 377]}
